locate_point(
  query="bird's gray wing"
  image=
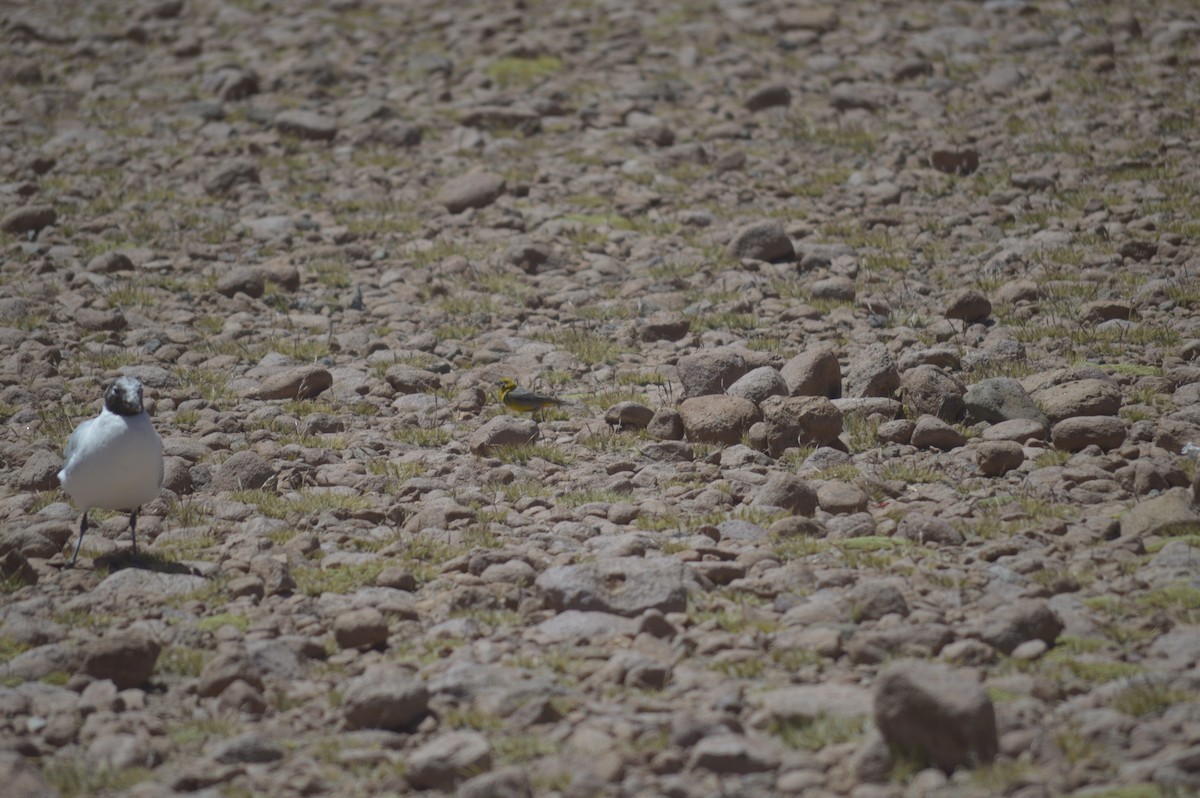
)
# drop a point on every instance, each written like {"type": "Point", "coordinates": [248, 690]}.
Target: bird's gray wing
{"type": "Point", "coordinates": [76, 437]}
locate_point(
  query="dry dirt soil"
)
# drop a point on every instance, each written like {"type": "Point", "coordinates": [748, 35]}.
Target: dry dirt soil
{"type": "Point", "coordinates": [877, 330]}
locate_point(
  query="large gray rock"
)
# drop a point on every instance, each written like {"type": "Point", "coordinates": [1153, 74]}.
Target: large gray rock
{"type": "Point", "coordinates": [968, 305]}
{"type": "Point", "coordinates": [364, 627]}
{"type": "Point", "coordinates": [1087, 397]}
{"type": "Point", "coordinates": [996, 458]}
{"type": "Point", "coordinates": [1002, 399]}
{"type": "Point", "coordinates": [872, 372]}
{"type": "Point", "coordinates": [936, 712]}
{"type": "Point", "coordinates": [503, 431]}
{"type": "Point", "coordinates": [802, 704]}
{"type": "Point", "coordinates": [448, 759]}
{"type": "Point", "coordinates": [249, 748]}
{"type": "Point", "coordinates": [1079, 432]}
{"type": "Point", "coordinates": [757, 384]}
{"type": "Point", "coordinates": [1013, 624]}
{"type": "Point", "coordinates": [799, 421]}
{"type": "Point", "coordinates": [625, 586]}
{"type": "Point", "coordinates": [710, 372]}
{"type": "Point", "coordinates": [789, 492]}
{"type": "Point", "coordinates": [231, 173]}
{"type": "Point", "coordinates": [764, 240]}
{"type": "Point", "coordinates": [931, 390]}
{"type": "Point", "coordinates": [132, 586]}
{"type": "Point", "coordinates": [29, 219]}
{"type": "Point", "coordinates": [1172, 513]}
{"type": "Point", "coordinates": [40, 471]}
{"type": "Point", "coordinates": [126, 658]}
{"type": "Point", "coordinates": [717, 419]}
{"type": "Point", "coordinates": [732, 754]}
{"type": "Point", "coordinates": [23, 779]}
{"type": "Point", "coordinates": [472, 190]}
{"type": "Point", "coordinates": [306, 124]}
{"type": "Point", "coordinates": [385, 697]}
{"type": "Point", "coordinates": [931, 432]}
{"type": "Point", "coordinates": [226, 668]}
{"type": "Point", "coordinates": [507, 782]}
{"type": "Point", "coordinates": [244, 470]}
{"type": "Point", "coordinates": [298, 383]}
{"type": "Point", "coordinates": [923, 528]}
{"type": "Point", "coordinates": [814, 372]}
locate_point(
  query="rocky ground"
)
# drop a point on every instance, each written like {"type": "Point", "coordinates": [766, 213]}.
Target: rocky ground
{"type": "Point", "coordinates": [878, 326]}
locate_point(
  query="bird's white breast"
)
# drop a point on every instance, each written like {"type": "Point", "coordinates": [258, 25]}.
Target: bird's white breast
{"type": "Point", "coordinates": [114, 462]}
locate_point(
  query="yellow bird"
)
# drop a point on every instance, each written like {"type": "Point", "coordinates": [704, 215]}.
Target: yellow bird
{"type": "Point", "coordinates": [523, 401]}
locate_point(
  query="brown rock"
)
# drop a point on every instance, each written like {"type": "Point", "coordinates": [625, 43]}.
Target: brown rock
{"type": "Point", "coordinates": [385, 697]}
{"type": "Point", "coordinates": [710, 371]}
{"type": "Point", "coordinates": [361, 628]}
{"type": "Point", "coordinates": [125, 657]}
{"type": "Point", "coordinates": [244, 470]}
{"type": "Point", "coordinates": [936, 712]}
{"type": "Point", "coordinates": [306, 125]}
{"type": "Point", "coordinates": [503, 431]}
{"type": "Point", "coordinates": [664, 326]}
{"type": "Point", "coordinates": [1079, 432]}
{"type": "Point", "coordinates": [717, 418]}
{"type": "Point", "coordinates": [933, 433]}
{"type": "Point", "coordinates": [996, 458]}
{"type": "Point", "coordinates": [40, 472]}
{"type": "Point", "coordinates": [814, 372]}
{"type": "Point", "coordinates": [248, 280]}
{"type": "Point", "coordinates": [1025, 619]}
{"type": "Point", "coordinates": [765, 240]}
{"type": "Point", "coordinates": [789, 492]}
{"type": "Point", "coordinates": [931, 390]}
{"type": "Point", "coordinates": [29, 219]}
{"type": "Point", "coordinates": [923, 528]}
{"type": "Point", "coordinates": [955, 162]}
{"type": "Point", "coordinates": [1102, 310]}
{"type": "Point", "coordinates": [1088, 397]}
{"type": "Point", "coordinates": [300, 382]}
{"type": "Point", "coordinates": [110, 262]}
{"type": "Point", "coordinates": [472, 190]}
{"type": "Point", "coordinates": [448, 759]}
{"type": "Point", "coordinates": [872, 372]}
{"type": "Point", "coordinates": [839, 498]}
{"type": "Point", "coordinates": [800, 421]}
{"type": "Point", "coordinates": [770, 96]}
{"type": "Point", "coordinates": [625, 586]}
{"type": "Point", "coordinates": [968, 305]}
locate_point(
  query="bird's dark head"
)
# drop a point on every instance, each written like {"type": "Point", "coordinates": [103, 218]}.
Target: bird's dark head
{"type": "Point", "coordinates": [124, 397]}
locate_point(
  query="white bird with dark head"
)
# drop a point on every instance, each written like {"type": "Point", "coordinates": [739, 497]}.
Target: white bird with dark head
{"type": "Point", "coordinates": [115, 460]}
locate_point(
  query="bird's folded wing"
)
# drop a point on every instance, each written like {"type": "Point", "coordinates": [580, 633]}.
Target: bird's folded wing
{"type": "Point", "coordinates": [76, 438]}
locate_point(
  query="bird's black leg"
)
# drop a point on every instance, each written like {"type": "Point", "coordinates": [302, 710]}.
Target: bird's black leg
{"type": "Point", "coordinates": [133, 528]}
{"type": "Point", "coordinates": [82, 528]}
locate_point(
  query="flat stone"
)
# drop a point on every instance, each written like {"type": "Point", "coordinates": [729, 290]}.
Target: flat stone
{"type": "Point", "coordinates": [448, 759]}
{"type": "Point", "coordinates": [1079, 432]}
{"type": "Point", "coordinates": [306, 125]}
{"type": "Point", "coordinates": [472, 190]}
{"type": "Point", "coordinates": [298, 383]}
{"type": "Point", "coordinates": [626, 586]}
{"type": "Point", "coordinates": [29, 219]}
{"type": "Point", "coordinates": [1017, 430]}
